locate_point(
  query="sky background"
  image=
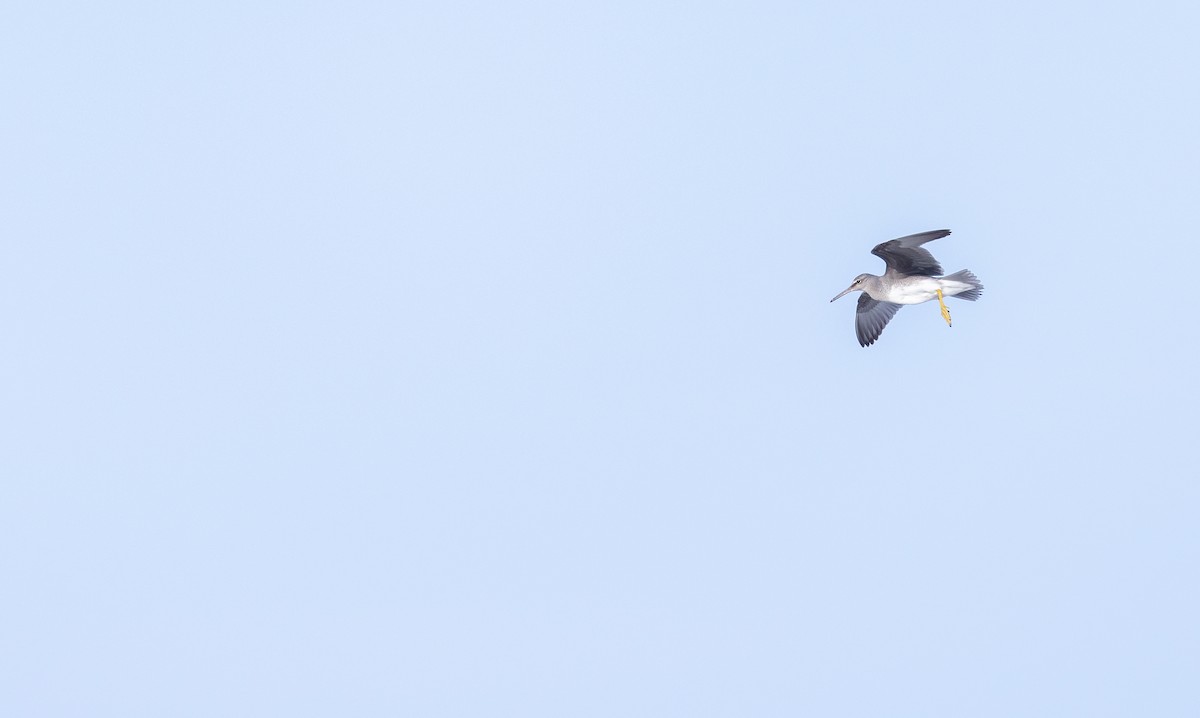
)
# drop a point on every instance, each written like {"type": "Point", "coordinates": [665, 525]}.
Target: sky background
{"type": "Point", "coordinates": [476, 359]}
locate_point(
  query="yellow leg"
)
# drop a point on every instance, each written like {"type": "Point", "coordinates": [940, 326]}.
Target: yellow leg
{"type": "Point", "coordinates": [945, 311]}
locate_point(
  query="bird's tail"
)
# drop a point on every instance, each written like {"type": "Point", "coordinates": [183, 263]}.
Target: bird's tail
{"type": "Point", "coordinates": [966, 277]}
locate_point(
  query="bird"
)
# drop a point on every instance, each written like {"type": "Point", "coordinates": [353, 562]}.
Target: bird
{"type": "Point", "coordinates": [913, 276]}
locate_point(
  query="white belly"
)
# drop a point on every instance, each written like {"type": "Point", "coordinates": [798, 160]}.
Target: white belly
{"type": "Point", "coordinates": [915, 292]}
{"type": "Point", "coordinates": [923, 290]}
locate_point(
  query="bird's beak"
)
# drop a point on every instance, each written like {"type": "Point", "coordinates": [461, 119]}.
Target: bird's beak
{"type": "Point", "coordinates": [848, 290]}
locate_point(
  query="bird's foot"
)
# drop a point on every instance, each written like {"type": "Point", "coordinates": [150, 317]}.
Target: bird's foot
{"type": "Point", "coordinates": [945, 311]}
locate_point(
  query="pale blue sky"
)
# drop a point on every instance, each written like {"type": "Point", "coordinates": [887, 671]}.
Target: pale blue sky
{"type": "Point", "coordinates": [477, 359]}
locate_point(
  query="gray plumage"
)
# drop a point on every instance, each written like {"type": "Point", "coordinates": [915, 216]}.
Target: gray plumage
{"type": "Point", "coordinates": [871, 317]}
{"type": "Point", "coordinates": [912, 276]}
{"type": "Point", "coordinates": [907, 257]}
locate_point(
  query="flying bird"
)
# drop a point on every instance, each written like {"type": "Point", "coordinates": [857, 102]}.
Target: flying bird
{"type": "Point", "coordinates": [912, 277]}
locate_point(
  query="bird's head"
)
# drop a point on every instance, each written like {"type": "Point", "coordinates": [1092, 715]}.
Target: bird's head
{"type": "Point", "coordinates": [856, 286]}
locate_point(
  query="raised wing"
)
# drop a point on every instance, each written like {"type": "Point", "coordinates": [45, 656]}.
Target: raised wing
{"type": "Point", "coordinates": [906, 255]}
{"type": "Point", "coordinates": [871, 317]}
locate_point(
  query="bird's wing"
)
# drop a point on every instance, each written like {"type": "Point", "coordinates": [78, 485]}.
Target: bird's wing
{"type": "Point", "coordinates": [906, 256]}
{"type": "Point", "coordinates": [872, 316]}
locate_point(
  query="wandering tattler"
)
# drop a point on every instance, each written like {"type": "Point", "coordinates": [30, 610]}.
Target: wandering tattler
{"type": "Point", "coordinates": [912, 277]}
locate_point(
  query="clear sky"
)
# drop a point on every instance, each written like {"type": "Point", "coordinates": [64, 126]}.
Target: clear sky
{"type": "Point", "coordinates": [476, 359]}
